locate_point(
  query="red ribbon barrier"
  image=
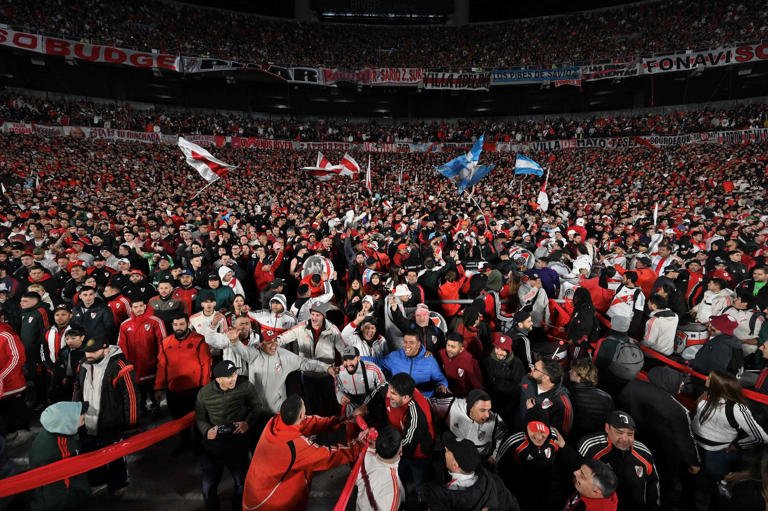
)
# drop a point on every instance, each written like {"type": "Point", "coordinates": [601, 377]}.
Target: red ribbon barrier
{"type": "Point", "coordinates": [341, 505]}
{"type": "Point", "coordinates": [749, 394]}
{"type": "Point", "coordinates": [77, 465]}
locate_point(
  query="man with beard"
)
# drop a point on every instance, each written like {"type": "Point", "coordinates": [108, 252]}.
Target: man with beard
{"type": "Point", "coordinates": [544, 386]}
{"type": "Point", "coordinates": [356, 381]}
{"type": "Point", "coordinates": [187, 292]}
{"type": "Point", "coordinates": [241, 331]}
{"type": "Point", "coordinates": [138, 286]}
{"type": "Point", "coordinates": [93, 316]}
{"type": "Point", "coordinates": [166, 307]}
{"type": "Point", "coordinates": [107, 382]}
{"type": "Point", "coordinates": [459, 366]}
{"type": "Point", "coordinates": [183, 367]}
{"type": "Point", "coordinates": [472, 419]}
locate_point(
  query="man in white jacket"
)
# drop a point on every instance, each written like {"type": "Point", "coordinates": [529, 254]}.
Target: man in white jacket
{"type": "Point", "coordinates": [716, 299]}
{"type": "Point", "coordinates": [661, 327]}
{"type": "Point", "coordinates": [378, 483]}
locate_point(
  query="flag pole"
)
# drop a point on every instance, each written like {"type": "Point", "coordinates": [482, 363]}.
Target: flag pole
{"type": "Point", "coordinates": [478, 206]}
{"type": "Point", "coordinates": [203, 189]}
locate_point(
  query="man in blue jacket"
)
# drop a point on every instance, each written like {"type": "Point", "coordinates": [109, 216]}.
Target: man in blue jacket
{"type": "Point", "coordinates": [415, 360]}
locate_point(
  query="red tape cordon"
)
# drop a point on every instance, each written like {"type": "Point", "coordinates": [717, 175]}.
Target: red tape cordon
{"type": "Point", "coordinates": [749, 394]}
{"type": "Point", "coordinates": [341, 505]}
{"type": "Point", "coordinates": [76, 465]}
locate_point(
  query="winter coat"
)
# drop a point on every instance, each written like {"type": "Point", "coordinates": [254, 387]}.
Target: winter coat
{"type": "Point", "coordinates": [713, 304]}
{"type": "Point", "coordinates": [324, 350]}
{"type": "Point", "coordinates": [217, 407]}
{"type": "Point", "coordinates": [140, 338]}
{"type": "Point", "coordinates": [223, 294]}
{"type": "Point", "coordinates": [283, 483]}
{"type": "Point", "coordinates": [117, 409]}
{"type": "Point", "coordinates": [555, 401]}
{"type": "Point", "coordinates": [431, 336]}
{"type": "Point", "coordinates": [187, 296]}
{"type": "Point", "coordinates": [462, 371]}
{"type": "Point", "coordinates": [422, 367]}
{"type": "Point", "coordinates": [488, 492]}
{"type": "Point", "coordinates": [34, 322]}
{"type": "Point", "coordinates": [58, 440]}
{"type": "Point", "coordinates": [12, 359]}
{"type": "Point", "coordinates": [591, 407]}
{"type": "Point", "coordinates": [183, 365]}
{"type": "Point", "coordinates": [97, 321]}
{"type": "Point", "coordinates": [61, 362]}
{"type": "Point", "coordinates": [503, 377]}
{"type": "Point", "coordinates": [166, 309]}
{"type": "Point", "coordinates": [120, 307]}
{"type": "Point", "coordinates": [660, 331]}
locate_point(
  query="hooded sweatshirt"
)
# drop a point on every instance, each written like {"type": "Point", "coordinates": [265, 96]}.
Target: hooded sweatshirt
{"type": "Point", "coordinates": [58, 440]}
{"type": "Point", "coordinates": [284, 482]}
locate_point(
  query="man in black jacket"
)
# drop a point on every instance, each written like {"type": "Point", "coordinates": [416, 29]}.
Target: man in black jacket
{"type": "Point", "coordinates": [591, 405]}
{"type": "Point", "coordinates": [471, 486]}
{"type": "Point", "coordinates": [107, 381]}
{"type": "Point", "coordinates": [503, 372]}
{"type": "Point", "coordinates": [93, 316]}
{"type": "Point", "coordinates": [62, 363]}
{"type": "Point", "coordinates": [671, 438]}
{"type": "Point", "coordinates": [631, 460]}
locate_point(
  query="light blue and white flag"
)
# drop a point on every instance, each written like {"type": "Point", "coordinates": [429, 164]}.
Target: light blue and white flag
{"type": "Point", "coordinates": [464, 170]}
{"type": "Point", "coordinates": [525, 165]}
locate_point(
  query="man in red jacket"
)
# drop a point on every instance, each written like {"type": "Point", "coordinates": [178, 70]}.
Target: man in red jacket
{"type": "Point", "coordinates": [13, 408]}
{"type": "Point", "coordinates": [139, 338]}
{"type": "Point", "coordinates": [183, 367]}
{"type": "Point", "coordinates": [282, 483]}
{"type": "Point", "coordinates": [459, 366]}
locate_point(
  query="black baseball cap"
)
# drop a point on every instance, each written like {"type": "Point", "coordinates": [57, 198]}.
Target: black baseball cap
{"type": "Point", "coordinates": [92, 345]}
{"type": "Point", "coordinates": [464, 451]}
{"type": "Point", "coordinates": [224, 369]}
{"type": "Point", "coordinates": [63, 307]}
{"type": "Point", "coordinates": [350, 352]}
{"type": "Point", "coordinates": [621, 420]}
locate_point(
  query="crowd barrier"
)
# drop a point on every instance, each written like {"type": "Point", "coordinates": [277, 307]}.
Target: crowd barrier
{"type": "Point", "coordinates": [76, 465]}
{"type": "Point", "coordinates": [341, 505]}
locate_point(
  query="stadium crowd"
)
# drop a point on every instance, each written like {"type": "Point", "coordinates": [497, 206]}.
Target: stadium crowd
{"type": "Point", "coordinates": [525, 394]}
{"type": "Point", "coordinates": [84, 113]}
{"type": "Point", "coordinates": [622, 32]}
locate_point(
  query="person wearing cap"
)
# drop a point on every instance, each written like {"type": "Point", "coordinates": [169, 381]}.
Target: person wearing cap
{"type": "Point", "coordinates": [722, 351]}
{"type": "Point", "coordinates": [100, 271]}
{"type": "Point", "coordinates": [529, 461]}
{"type": "Point", "coordinates": [187, 291]}
{"type": "Point", "coordinates": [399, 403]}
{"type": "Point", "coordinates": [316, 339]}
{"type": "Point", "coordinates": [139, 337]}
{"type": "Point", "coordinates": [285, 480]}
{"type": "Point", "coordinates": [58, 440]}
{"type": "Point", "coordinates": [361, 333]}
{"type": "Point", "coordinates": [595, 484]}
{"type": "Point", "coordinates": [630, 459]}
{"type": "Point", "coordinates": [502, 372]}
{"type": "Point", "coordinates": [471, 418]}
{"type": "Point", "coordinates": [671, 438]}
{"type": "Point", "coordinates": [750, 320]}
{"type": "Point", "coordinates": [275, 319]}
{"type": "Point", "coordinates": [227, 277]}
{"type": "Point", "coordinates": [356, 380]}
{"type": "Point", "coordinates": [646, 276]}
{"type": "Point", "coordinates": [470, 486]}
{"type": "Point", "coordinates": [161, 270]}
{"type": "Point", "coordinates": [108, 382]}
{"type": "Point", "coordinates": [429, 333]}
{"type": "Point", "coordinates": [93, 316]}
{"type": "Point", "coordinates": [550, 279]}
{"type": "Point", "coordinates": [166, 307]}
{"type": "Point", "coordinates": [225, 410]}
{"type": "Point", "coordinates": [459, 366]}
{"type": "Point", "coordinates": [661, 327]}
{"type": "Point", "coordinates": [275, 287]}
{"type": "Point", "coordinates": [378, 483]}
{"type": "Point", "coordinates": [628, 301]}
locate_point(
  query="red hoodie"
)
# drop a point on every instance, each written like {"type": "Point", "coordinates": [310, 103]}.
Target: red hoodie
{"type": "Point", "coordinates": [279, 485]}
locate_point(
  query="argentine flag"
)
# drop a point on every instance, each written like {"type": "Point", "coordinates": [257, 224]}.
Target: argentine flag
{"type": "Point", "coordinates": [525, 165]}
{"type": "Point", "coordinates": [465, 170]}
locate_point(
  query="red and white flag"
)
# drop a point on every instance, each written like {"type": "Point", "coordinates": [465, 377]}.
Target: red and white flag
{"type": "Point", "coordinates": [368, 177]}
{"type": "Point", "coordinates": [324, 171]}
{"type": "Point", "coordinates": [543, 199]}
{"type": "Point", "coordinates": [322, 161]}
{"type": "Point", "coordinates": [387, 204]}
{"type": "Point", "coordinates": [349, 167]}
{"type": "Point", "coordinates": [209, 167]}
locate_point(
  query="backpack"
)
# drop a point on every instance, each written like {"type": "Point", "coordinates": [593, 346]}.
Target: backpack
{"type": "Point", "coordinates": [717, 353]}
{"type": "Point", "coordinates": [628, 359]}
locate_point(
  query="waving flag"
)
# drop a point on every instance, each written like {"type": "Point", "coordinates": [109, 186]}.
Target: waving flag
{"type": "Point", "coordinates": [543, 199]}
{"type": "Point", "coordinates": [368, 177]}
{"type": "Point", "coordinates": [525, 165]}
{"type": "Point", "coordinates": [349, 167]}
{"type": "Point", "coordinates": [465, 170]}
{"type": "Point", "coordinates": [210, 168]}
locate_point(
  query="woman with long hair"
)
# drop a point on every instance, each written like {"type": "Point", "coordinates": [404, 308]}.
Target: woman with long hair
{"type": "Point", "coordinates": [510, 302]}
{"type": "Point", "coordinates": [583, 321]}
{"type": "Point", "coordinates": [723, 424]}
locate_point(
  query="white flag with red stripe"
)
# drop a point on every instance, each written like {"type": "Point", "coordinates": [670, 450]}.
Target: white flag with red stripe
{"type": "Point", "coordinates": [543, 199]}
{"type": "Point", "coordinates": [209, 167]}
{"type": "Point", "coordinates": [349, 167]}
{"type": "Point", "coordinates": [387, 204]}
{"type": "Point", "coordinates": [368, 177]}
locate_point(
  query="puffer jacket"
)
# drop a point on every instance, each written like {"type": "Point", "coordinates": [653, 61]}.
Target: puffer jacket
{"type": "Point", "coordinates": [422, 367]}
{"type": "Point", "coordinates": [660, 331]}
{"type": "Point", "coordinates": [713, 304]}
{"type": "Point", "coordinates": [218, 407]}
{"type": "Point", "coordinates": [97, 320]}
{"type": "Point", "coordinates": [140, 338]}
{"type": "Point", "coordinates": [591, 407]}
{"type": "Point", "coordinates": [329, 341]}
{"type": "Point", "coordinates": [503, 377]}
{"type": "Point", "coordinates": [58, 440]}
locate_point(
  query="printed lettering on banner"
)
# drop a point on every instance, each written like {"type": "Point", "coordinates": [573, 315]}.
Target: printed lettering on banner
{"type": "Point", "coordinates": [531, 75]}
{"type": "Point", "coordinates": [85, 51]}
{"type": "Point", "coordinates": [706, 59]}
{"type": "Point", "coordinates": [397, 76]}
{"type": "Point", "coordinates": [457, 81]}
{"type": "Point", "coordinates": [607, 71]}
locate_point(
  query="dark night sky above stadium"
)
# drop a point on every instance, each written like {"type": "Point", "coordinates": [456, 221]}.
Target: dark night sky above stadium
{"type": "Point", "coordinates": [480, 10]}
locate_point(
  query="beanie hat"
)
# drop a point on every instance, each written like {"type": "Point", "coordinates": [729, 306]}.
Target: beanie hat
{"type": "Point", "coordinates": [476, 395]}
{"type": "Point", "coordinates": [421, 309]}
{"type": "Point", "coordinates": [723, 323]}
{"type": "Point", "coordinates": [620, 323]}
{"type": "Point", "coordinates": [494, 280]}
{"type": "Point", "coordinates": [537, 419]}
